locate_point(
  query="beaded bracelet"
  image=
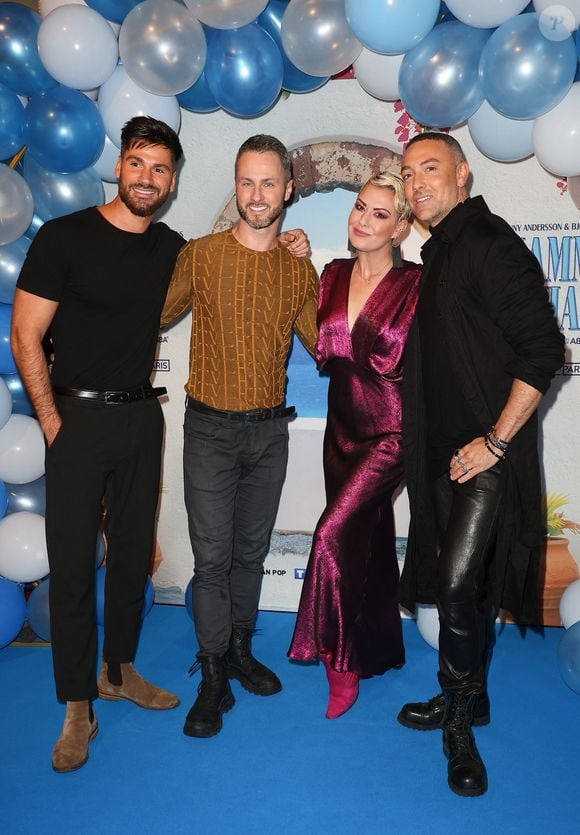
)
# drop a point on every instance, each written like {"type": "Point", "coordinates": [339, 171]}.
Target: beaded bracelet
{"type": "Point", "coordinates": [497, 441]}
{"type": "Point", "coordinates": [491, 449]}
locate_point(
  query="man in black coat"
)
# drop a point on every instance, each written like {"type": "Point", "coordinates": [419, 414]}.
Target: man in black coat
{"type": "Point", "coordinates": [481, 353]}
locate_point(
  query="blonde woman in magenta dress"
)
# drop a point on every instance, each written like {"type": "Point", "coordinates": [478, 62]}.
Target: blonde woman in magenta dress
{"type": "Point", "coordinates": [349, 614]}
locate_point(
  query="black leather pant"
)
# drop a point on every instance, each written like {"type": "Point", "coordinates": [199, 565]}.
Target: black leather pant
{"type": "Point", "coordinates": [467, 522]}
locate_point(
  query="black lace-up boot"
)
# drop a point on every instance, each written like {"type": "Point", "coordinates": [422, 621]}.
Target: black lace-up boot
{"type": "Point", "coordinates": [214, 698]}
{"type": "Point", "coordinates": [241, 664]}
{"type": "Point", "coordinates": [466, 772]}
{"type": "Point", "coordinates": [428, 716]}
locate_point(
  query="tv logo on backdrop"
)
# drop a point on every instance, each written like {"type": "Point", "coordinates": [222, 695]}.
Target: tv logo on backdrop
{"type": "Point", "coordinates": [162, 365]}
{"type": "Point", "coordinates": [299, 573]}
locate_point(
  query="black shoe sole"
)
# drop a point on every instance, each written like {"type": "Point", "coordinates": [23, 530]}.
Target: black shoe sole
{"type": "Point", "coordinates": [205, 733]}
{"type": "Point", "coordinates": [478, 722]}
{"type": "Point", "coordinates": [468, 792]}
{"type": "Point", "coordinates": [251, 688]}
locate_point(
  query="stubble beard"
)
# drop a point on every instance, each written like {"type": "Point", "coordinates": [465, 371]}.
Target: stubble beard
{"type": "Point", "coordinates": [262, 222]}
{"type": "Point", "coordinates": [137, 206]}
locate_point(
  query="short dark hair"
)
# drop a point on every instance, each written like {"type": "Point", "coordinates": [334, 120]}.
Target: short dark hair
{"type": "Point", "coordinates": [262, 143]}
{"type": "Point", "coordinates": [145, 130]}
{"type": "Point", "coordinates": [439, 136]}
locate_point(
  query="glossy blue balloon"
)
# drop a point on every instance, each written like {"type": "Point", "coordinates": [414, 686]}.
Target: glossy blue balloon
{"type": "Point", "coordinates": [38, 610]}
{"type": "Point", "coordinates": [115, 10]}
{"type": "Point", "coordinates": [63, 130]}
{"type": "Point", "coordinates": [3, 499]}
{"type": "Point", "coordinates": [569, 657]}
{"type": "Point", "coordinates": [198, 98]}
{"type": "Point", "coordinates": [30, 497]}
{"type": "Point", "coordinates": [20, 66]}
{"type": "Point", "coordinates": [55, 194]}
{"type": "Point", "coordinates": [244, 70]}
{"type": "Point", "coordinates": [11, 122]}
{"type": "Point", "coordinates": [7, 364]}
{"type": "Point", "coordinates": [11, 260]}
{"type": "Point", "coordinates": [100, 595]}
{"type": "Point", "coordinates": [391, 27]}
{"type": "Point", "coordinates": [35, 224]}
{"type": "Point", "coordinates": [189, 598]}
{"type": "Point", "coordinates": [439, 79]}
{"type": "Point", "coordinates": [293, 79]}
{"type": "Point", "coordinates": [12, 611]}
{"type": "Point", "coordinates": [524, 73]}
{"type": "Point", "coordinates": [21, 405]}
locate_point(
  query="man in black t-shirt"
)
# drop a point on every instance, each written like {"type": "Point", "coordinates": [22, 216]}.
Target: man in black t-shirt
{"type": "Point", "coordinates": [98, 278]}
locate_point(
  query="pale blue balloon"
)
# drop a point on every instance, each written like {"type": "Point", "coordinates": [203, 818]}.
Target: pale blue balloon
{"type": "Point", "coordinates": [391, 27]}
{"type": "Point", "coordinates": [63, 130]}
{"type": "Point", "coordinates": [569, 657]}
{"type": "Point", "coordinates": [21, 405]}
{"type": "Point", "coordinates": [107, 162]}
{"type": "Point", "coordinates": [20, 66]}
{"type": "Point", "coordinates": [35, 225]}
{"type": "Point", "coordinates": [523, 72]}
{"type": "Point", "coordinates": [30, 497]}
{"type": "Point", "coordinates": [16, 205]}
{"type": "Point", "coordinates": [39, 611]}
{"type": "Point", "coordinates": [244, 70]}
{"type": "Point", "coordinates": [500, 138]}
{"type": "Point", "coordinates": [11, 260]}
{"type": "Point", "coordinates": [439, 79]}
{"type": "Point", "coordinates": [11, 122]}
{"type": "Point", "coordinates": [60, 194]}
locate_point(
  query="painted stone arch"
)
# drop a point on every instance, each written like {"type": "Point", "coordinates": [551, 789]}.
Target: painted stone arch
{"type": "Point", "coordinates": [324, 166]}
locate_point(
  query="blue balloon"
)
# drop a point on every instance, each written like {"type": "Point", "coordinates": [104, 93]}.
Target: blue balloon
{"type": "Point", "coordinates": [3, 499]}
{"type": "Point", "coordinates": [569, 657]}
{"type": "Point", "coordinates": [7, 364]}
{"type": "Point", "coordinates": [21, 405]}
{"type": "Point", "coordinates": [394, 27]}
{"type": "Point", "coordinates": [439, 78]}
{"type": "Point", "coordinates": [115, 10]}
{"type": "Point", "coordinates": [100, 595]}
{"type": "Point", "coordinates": [11, 122]}
{"type": "Point", "coordinates": [12, 611]}
{"type": "Point", "coordinates": [445, 14]}
{"type": "Point", "coordinates": [39, 611]}
{"type": "Point", "coordinates": [35, 225]}
{"type": "Point", "coordinates": [30, 497]}
{"type": "Point", "coordinates": [11, 260]}
{"type": "Point", "coordinates": [523, 72]}
{"type": "Point", "coordinates": [244, 70]}
{"type": "Point", "coordinates": [293, 79]}
{"type": "Point", "coordinates": [55, 194]}
{"type": "Point", "coordinates": [63, 130]}
{"type": "Point", "coordinates": [20, 66]}
{"type": "Point", "coordinates": [189, 598]}
{"type": "Point", "coordinates": [198, 98]}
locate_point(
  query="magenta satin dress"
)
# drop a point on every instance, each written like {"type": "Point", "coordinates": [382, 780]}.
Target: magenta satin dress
{"type": "Point", "coordinates": [349, 606]}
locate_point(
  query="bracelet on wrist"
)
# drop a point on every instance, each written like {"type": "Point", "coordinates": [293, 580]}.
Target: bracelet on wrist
{"type": "Point", "coordinates": [489, 448]}
{"type": "Point", "coordinates": [497, 442]}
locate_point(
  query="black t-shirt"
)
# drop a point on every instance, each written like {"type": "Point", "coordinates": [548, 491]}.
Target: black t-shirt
{"type": "Point", "coordinates": [110, 286]}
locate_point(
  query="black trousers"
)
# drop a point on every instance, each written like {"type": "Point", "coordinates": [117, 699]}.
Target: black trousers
{"type": "Point", "coordinates": [100, 450]}
{"type": "Point", "coordinates": [467, 522]}
{"type": "Point", "coordinates": [233, 477]}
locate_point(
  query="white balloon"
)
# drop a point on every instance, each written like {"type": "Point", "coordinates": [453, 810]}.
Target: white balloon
{"type": "Point", "coordinates": [5, 403]}
{"type": "Point", "coordinates": [107, 162]}
{"type": "Point", "coordinates": [226, 14]}
{"type": "Point", "coordinates": [500, 138]}
{"type": "Point", "coordinates": [23, 553]}
{"type": "Point", "coordinates": [378, 74]}
{"type": "Point", "coordinates": [77, 46]}
{"type": "Point", "coordinates": [566, 11]}
{"type": "Point", "coordinates": [485, 14]}
{"type": "Point", "coordinates": [120, 99]}
{"type": "Point", "coordinates": [16, 206]}
{"type": "Point", "coordinates": [556, 136]}
{"type": "Point", "coordinates": [570, 605]}
{"type": "Point", "coordinates": [21, 450]}
{"type": "Point", "coordinates": [317, 38]}
{"type": "Point", "coordinates": [428, 624]}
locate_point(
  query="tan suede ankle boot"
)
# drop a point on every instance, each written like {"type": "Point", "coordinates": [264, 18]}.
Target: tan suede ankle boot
{"type": "Point", "coordinates": [135, 689]}
{"type": "Point", "coordinates": [72, 748]}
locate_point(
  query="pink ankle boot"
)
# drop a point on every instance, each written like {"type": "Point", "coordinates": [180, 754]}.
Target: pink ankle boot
{"type": "Point", "coordinates": [343, 689]}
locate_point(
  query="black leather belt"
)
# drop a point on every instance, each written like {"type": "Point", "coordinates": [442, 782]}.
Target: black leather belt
{"type": "Point", "coordinates": [113, 397]}
{"type": "Point", "coordinates": [250, 416]}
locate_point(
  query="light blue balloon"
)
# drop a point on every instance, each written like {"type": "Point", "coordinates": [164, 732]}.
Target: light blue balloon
{"type": "Point", "coordinates": [20, 66]}
{"type": "Point", "coordinates": [115, 10]}
{"type": "Point", "coordinates": [198, 98]}
{"type": "Point", "coordinates": [60, 194]}
{"type": "Point", "coordinates": [391, 27]}
{"type": "Point", "coordinates": [524, 73]}
{"type": "Point", "coordinates": [107, 162]}
{"type": "Point", "coordinates": [3, 499]}
{"type": "Point", "coordinates": [293, 79]}
{"type": "Point", "coordinates": [21, 405]}
{"type": "Point", "coordinates": [11, 260]}
{"type": "Point", "coordinates": [11, 122]}
{"type": "Point", "coordinates": [30, 497]}
{"type": "Point", "coordinates": [439, 79]}
{"type": "Point", "coordinates": [244, 70]}
{"type": "Point", "coordinates": [7, 364]}
{"type": "Point", "coordinates": [569, 657]}
{"type": "Point", "coordinates": [63, 130]}
{"type": "Point", "coordinates": [35, 225]}
{"type": "Point", "coordinates": [12, 611]}
{"type": "Point", "coordinates": [39, 611]}
{"type": "Point", "coordinates": [500, 138]}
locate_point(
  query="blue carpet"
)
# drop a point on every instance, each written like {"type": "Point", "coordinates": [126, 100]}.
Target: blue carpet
{"type": "Point", "coordinates": [279, 766]}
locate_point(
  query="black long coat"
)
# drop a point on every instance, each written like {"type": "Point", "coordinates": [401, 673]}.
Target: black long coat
{"type": "Point", "coordinates": [499, 325]}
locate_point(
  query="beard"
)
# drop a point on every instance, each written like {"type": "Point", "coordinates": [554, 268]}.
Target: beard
{"type": "Point", "coordinates": [137, 205]}
{"type": "Point", "coordinates": [263, 221]}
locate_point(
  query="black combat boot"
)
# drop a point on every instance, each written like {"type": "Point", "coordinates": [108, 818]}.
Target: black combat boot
{"type": "Point", "coordinates": [214, 698]}
{"type": "Point", "coordinates": [466, 772]}
{"type": "Point", "coordinates": [428, 716]}
{"type": "Point", "coordinates": [241, 664]}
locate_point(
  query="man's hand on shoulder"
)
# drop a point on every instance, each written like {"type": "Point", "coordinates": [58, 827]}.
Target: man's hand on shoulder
{"type": "Point", "coordinates": [296, 242]}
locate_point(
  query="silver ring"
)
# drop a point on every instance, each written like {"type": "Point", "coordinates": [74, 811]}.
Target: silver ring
{"type": "Point", "coordinates": [464, 469]}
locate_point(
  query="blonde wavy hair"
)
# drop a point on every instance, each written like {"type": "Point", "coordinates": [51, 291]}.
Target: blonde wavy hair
{"type": "Point", "coordinates": [385, 179]}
